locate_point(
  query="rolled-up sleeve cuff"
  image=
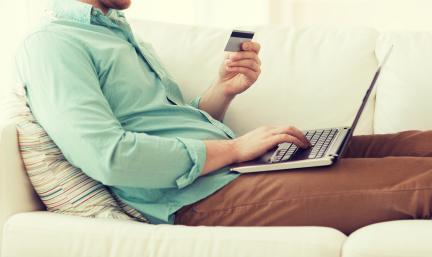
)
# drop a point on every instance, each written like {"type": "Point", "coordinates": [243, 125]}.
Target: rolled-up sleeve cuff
{"type": "Point", "coordinates": [197, 153]}
{"type": "Point", "coordinates": [195, 103]}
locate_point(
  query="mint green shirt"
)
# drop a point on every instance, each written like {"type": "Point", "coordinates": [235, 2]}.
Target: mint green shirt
{"type": "Point", "coordinates": [114, 111]}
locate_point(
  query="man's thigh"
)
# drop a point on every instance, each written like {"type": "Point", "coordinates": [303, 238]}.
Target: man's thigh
{"type": "Point", "coordinates": [408, 143]}
{"type": "Point", "coordinates": [348, 195]}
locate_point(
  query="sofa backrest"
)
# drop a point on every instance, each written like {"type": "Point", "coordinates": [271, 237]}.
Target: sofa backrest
{"type": "Point", "coordinates": [403, 99]}
{"type": "Point", "coordinates": [310, 78]}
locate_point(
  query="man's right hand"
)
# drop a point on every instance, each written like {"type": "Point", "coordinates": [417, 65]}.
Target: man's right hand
{"type": "Point", "coordinates": [257, 142]}
{"type": "Point", "coordinates": [220, 153]}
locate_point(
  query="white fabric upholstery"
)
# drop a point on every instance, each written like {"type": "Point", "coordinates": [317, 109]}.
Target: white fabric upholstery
{"type": "Point", "coordinates": [304, 72]}
{"type": "Point", "coordinates": [405, 88]}
{"type": "Point", "coordinates": [391, 239]}
{"type": "Point", "coordinates": [16, 192]}
{"type": "Point", "coordinates": [60, 235]}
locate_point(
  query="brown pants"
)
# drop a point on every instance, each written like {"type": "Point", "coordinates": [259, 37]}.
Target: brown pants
{"type": "Point", "coordinates": [382, 178]}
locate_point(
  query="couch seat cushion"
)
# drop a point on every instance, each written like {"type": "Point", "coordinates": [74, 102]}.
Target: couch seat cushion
{"type": "Point", "coordinates": [391, 239]}
{"type": "Point", "coordinates": [70, 236]}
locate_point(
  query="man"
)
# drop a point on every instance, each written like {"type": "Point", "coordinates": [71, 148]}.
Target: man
{"type": "Point", "coordinates": [104, 98]}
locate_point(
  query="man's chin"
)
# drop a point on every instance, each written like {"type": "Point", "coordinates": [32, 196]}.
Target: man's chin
{"type": "Point", "coordinates": [123, 7]}
{"type": "Point", "coordinates": [117, 4]}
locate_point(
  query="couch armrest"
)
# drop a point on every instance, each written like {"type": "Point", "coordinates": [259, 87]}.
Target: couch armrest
{"type": "Point", "coordinates": [16, 192]}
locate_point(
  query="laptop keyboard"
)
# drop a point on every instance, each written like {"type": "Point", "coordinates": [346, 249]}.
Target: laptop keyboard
{"type": "Point", "coordinates": [320, 140]}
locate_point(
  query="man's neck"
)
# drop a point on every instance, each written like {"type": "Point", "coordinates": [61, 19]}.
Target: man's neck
{"type": "Point", "coordinates": [97, 4]}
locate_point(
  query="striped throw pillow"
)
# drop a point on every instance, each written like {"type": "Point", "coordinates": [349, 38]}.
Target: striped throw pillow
{"type": "Point", "coordinates": [62, 187]}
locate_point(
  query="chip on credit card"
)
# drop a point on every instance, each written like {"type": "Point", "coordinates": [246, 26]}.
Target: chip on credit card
{"type": "Point", "coordinates": [238, 37]}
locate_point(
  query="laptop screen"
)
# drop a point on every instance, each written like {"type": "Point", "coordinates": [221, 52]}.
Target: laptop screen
{"type": "Point", "coordinates": [363, 105]}
{"type": "Point", "coordinates": [370, 89]}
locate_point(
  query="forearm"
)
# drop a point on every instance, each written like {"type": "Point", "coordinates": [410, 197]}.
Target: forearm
{"type": "Point", "coordinates": [215, 101]}
{"type": "Point", "coordinates": [219, 153]}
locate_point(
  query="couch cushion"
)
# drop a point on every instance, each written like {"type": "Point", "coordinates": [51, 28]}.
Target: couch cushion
{"type": "Point", "coordinates": [305, 72]}
{"type": "Point", "coordinates": [403, 99]}
{"type": "Point", "coordinates": [66, 236]}
{"type": "Point", "coordinates": [407, 238]}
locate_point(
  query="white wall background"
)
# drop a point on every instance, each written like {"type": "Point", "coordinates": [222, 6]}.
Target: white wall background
{"type": "Point", "coordinates": [381, 14]}
{"type": "Point", "coordinates": [219, 13]}
{"type": "Point", "coordinates": [16, 19]}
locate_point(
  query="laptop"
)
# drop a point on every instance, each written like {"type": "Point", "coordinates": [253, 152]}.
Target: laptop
{"type": "Point", "coordinates": [328, 145]}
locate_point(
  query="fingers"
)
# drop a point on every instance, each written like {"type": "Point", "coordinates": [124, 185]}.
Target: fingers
{"type": "Point", "coordinates": [244, 55]}
{"type": "Point", "coordinates": [291, 135]}
{"type": "Point", "coordinates": [247, 63]}
{"type": "Point", "coordinates": [250, 74]}
{"type": "Point", "coordinates": [285, 138]}
{"type": "Point", "coordinates": [294, 132]}
{"type": "Point", "coordinates": [273, 136]}
{"type": "Point", "coordinates": [251, 46]}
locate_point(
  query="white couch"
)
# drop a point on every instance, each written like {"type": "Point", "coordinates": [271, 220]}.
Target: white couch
{"type": "Point", "coordinates": [311, 78]}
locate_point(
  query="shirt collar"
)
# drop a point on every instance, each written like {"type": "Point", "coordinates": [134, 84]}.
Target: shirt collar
{"type": "Point", "coordinates": [79, 12]}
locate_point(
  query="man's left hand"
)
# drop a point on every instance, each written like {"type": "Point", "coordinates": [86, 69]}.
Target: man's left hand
{"type": "Point", "coordinates": [240, 70]}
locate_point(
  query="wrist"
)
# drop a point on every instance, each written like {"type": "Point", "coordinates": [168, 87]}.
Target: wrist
{"type": "Point", "coordinates": [234, 150]}
{"type": "Point", "coordinates": [224, 90]}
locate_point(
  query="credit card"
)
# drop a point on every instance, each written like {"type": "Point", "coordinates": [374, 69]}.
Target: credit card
{"type": "Point", "coordinates": [238, 37]}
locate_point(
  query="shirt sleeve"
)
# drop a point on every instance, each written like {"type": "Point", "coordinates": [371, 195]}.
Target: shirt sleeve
{"type": "Point", "coordinates": [195, 102]}
{"type": "Point", "coordinates": [67, 100]}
